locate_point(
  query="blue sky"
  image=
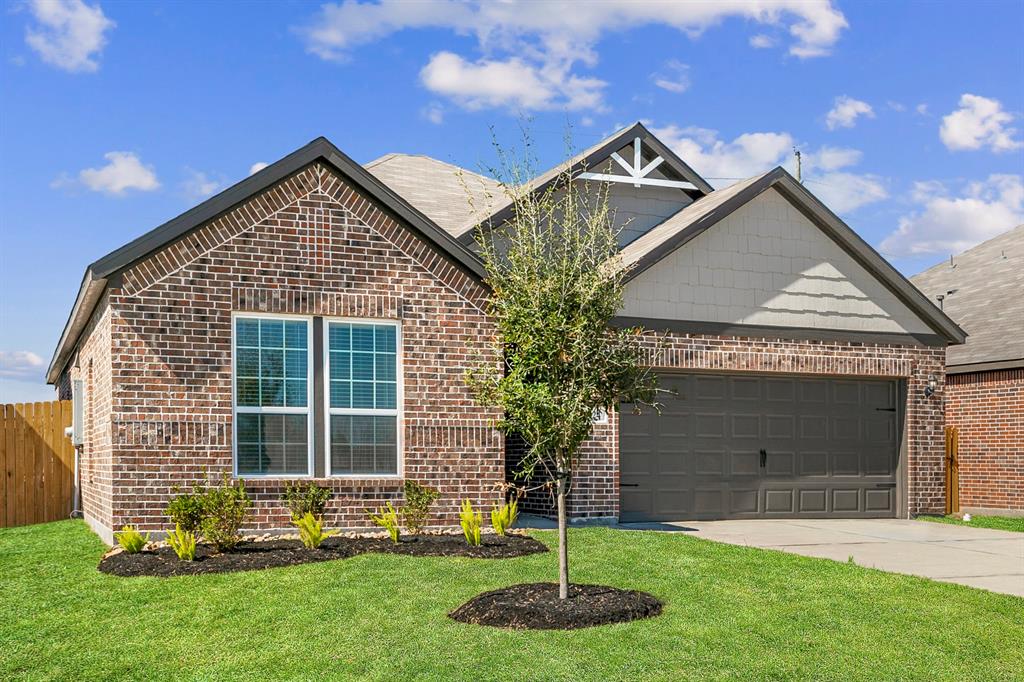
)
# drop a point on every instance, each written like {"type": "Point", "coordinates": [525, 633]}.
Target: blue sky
{"type": "Point", "coordinates": [116, 116]}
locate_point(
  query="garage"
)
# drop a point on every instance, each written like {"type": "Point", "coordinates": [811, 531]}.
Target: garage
{"type": "Point", "coordinates": [732, 446]}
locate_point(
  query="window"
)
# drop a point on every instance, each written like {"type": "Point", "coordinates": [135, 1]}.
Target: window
{"type": "Point", "coordinates": [362, 398]}
{"type": "Point", "coordinates": [272, 396]}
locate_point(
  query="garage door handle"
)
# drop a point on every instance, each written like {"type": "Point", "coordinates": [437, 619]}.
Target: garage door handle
{"type": "Point", "coordinates": [764, 458]}
{"type": "Point", "coordinates": [629, 485]}
{"type": "Point", "coordinates": [885, 409]}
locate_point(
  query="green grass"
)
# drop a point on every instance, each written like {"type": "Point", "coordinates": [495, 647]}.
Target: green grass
{"type": "Point", "coordinates": [1013, 523]}
{"type": "Point", "coordinates": [731, 612]}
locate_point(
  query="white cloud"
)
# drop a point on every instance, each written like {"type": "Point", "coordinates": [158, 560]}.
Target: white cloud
{"type": "Point", "coordinates": [257, 167]}
{"type": "Point", "coordinates": [896, 106]}
{"type": "Point", "coordinates": [510, 83]}
{"type": "Point", "coordinates": [68, 34]}
{"type": "Point", "coordinates": [724, 162]}
{"type": "Point", "coordinates": [674, 77]}
{"type": "Point", "coordinates": [845, 111]}
{"type": "Point", "coordinates": [747, 155]}
{"type": "Point", "coordinates": [846, 192]}
{"type": "Point", "coordinates": [946, 224]}
{"type": "Point", "coordinates": [762, 41]}
{"type": "Point", "coordinates": [198, 185]}
{"type": "Point", "coordinates": [434, 113]}
{"type": "Point", "coordinates": [544, 47]}
{"type": "Point", "coordinates": [20, 364]}
{"type": "Point", "coordinates": [124, 171]}
{"type": "Point", "coordinates": [922, 109]}
{"type": "Point", "coordinates": [979, 122]}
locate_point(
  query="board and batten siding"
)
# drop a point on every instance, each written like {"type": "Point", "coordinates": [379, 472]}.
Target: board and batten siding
{"type": "Point", "coordinates": [768, 265]}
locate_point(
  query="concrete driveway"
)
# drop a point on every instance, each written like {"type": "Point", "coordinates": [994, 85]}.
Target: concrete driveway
{"type": "Point", "coordinates": [979, 557]}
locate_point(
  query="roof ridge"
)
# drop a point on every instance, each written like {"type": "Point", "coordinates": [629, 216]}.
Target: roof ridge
{"type": "Point", "coordinates": [393, 155]}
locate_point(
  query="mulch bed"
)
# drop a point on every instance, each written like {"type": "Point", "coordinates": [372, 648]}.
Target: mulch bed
{"type": "Point", "coordinates": [250, 556]}
{"type": "Point", "coordinates": [536, 606]}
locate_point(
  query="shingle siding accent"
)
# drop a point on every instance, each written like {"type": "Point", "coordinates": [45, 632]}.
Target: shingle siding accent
{"type": "Point", "coordinates": [988, 410]}
{"type": "Point", "coordinates": [310, 246]}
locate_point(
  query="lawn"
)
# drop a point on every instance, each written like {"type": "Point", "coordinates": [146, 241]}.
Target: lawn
{"type": "Point", "coordinates": [1015, 524]}
{"type": "Point", "coordinates": [731, 612]}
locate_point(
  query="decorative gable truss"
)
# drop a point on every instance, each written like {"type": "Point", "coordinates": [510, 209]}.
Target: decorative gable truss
{"type": "Point", "coordinates": [637, 173]}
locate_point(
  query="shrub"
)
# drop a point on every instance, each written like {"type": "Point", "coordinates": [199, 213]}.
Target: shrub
{"type": "Point", "coordinates": [131, 540]}
{"type": "Point", "coordinates": [387, 518]}
{"type": "Point", "coordinates": [302, 499]}
{"type": "Point", "coordinates": [503, 518]}
{"type": "Point", "coordinates": [471, 522]}
{"type": "Point", "coordinates": [418, 499]}
{"type": "Point", "coordinates": [186, 510]}
{"type": "Point", "coordinates": [311, 530]}
{"type": "Point", "coordinates": [183, 543]}
{"type": "Point", "coordinates": [225, 508]}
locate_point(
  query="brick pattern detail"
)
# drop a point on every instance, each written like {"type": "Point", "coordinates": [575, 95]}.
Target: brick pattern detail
{"type": "Point", "coordinates": [312, 245]}
{"type": "Point", "coordinates": [988, 408]}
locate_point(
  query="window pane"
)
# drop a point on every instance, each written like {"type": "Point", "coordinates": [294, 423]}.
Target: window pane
{"type": "Point", "coordinates": [295, 363]}
{"type": "Point", "coordinates": [295, 334]}
{"type": "Point", "coordinates": [362, 394]}
{"type": "Point", "coordinates": [362, 337]}
{"type": "Point", "coordinates": [247, 332]}
{"type": "Point", "coordinates": [362, 366]}
{"type": "Point", "coordinates": [272, 444]}
{"type": "Point", "coordinates": [248, 392]}
{"type": "Point", "coordinates": [248, 362]}
{"type": "Point", "coordinates": [385, 335]}
{"type": "Point", "coordinates": [341, 394]}
{"type": "Point", "coordinates": [271, 333]}
{"type": "Point", "coordinates": [295, 394]}
{"type": "Point", "coordinates": [385, 396]}
{"type": "Point", "coordinates": [272, 364]}
{"type": "Point", "coordinates": [271, 393]}
{"type": "Point", "coordinates": [339, 337]}
{"type": "Point", "coordinates": [363, 445]}
{"type": "Point", "coordinates": [340, 365]}
{"type": "Point", "coordinates": [385, 367]}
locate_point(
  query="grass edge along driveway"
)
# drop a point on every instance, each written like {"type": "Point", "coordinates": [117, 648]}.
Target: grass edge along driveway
{"type": "Point", "coordinates": [730, 611]}
{"type": "Point", "coordinates": [1011, 523]}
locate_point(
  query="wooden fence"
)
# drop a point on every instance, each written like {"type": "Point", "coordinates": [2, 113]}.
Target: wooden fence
{"type": "Point", "coordinates": [952, 470]}
{"type": "Point", "coordinates": [37, 462]}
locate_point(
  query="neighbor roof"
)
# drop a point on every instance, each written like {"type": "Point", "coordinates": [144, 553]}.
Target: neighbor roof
{"type": "Point", "coordinates": [449, 195]}
{"type": "Point", "coordinates": [695, 218]}
{"type": "Point", "coordinates": [94, 282]}
{"type": "Point", "coordinates": [983, 290]}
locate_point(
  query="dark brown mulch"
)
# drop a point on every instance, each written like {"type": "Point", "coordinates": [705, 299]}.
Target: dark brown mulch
{"type": "Point", "coordinates": [250, 556]}
{"type": "Point", "coordinates": [536, 606]}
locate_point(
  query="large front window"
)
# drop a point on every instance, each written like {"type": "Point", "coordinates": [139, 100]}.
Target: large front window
{"type": "Point", "coordinates": [282, 362]}
{"type": "Point", "coordinates": [272, 396]}
{"type": "Point", "coordinates": [362, 367]}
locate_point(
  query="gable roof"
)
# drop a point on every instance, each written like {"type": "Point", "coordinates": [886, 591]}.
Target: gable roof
{"type": "Point", "coordinates": [702, 214]}
{"type": "Point", "coordinates": [449, 195]}
{"type": "Point", "coordinates": [588, 158]}
{"type": "Point", "coordinates": [94, 282]}
{"type": "Point", "coordinates": [981, 290]}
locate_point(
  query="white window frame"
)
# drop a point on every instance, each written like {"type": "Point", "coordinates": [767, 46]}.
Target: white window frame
{"type": "Point", "coordinates": [238, 409]}
{"type": "Point", "coordinates": [397, 413]}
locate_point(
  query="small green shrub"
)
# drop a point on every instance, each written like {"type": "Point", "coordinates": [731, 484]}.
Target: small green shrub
{"type": "Point", "coordinates": [183, 543]}
{"type": "Point", "coordinates": [387, 518]}
{"type": "Point", "coordinates": [302, 499]}
{"type": "Point", "coordinates": [131, 540]}
{"type": "Point", "coordinates": [416, 510]}
{"type": "Point", "coordinates": [471, 523]}
{"type": "Point", "coordinates": [186, 510]}
{"type": "Point", "coordinates": [311, 530]}
{"type": "Point", "coordinates": [225, 508]}
{"type": "Point", "coordinates": [504, 517]}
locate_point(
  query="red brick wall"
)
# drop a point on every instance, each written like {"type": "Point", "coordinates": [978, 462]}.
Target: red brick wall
{"type": "Point", "coordinates": [988, 409]}
{"type": "Point", "coordinates": [309, 246]}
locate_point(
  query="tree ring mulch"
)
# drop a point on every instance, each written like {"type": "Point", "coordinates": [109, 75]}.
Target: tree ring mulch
{"type": "Point", "coordinates": [252, 555]}
{"type": "Point", "coordinates": [536, 606]}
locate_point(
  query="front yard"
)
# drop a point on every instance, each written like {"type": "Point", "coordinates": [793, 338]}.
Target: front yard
{"type": "Point", "coordinates": [729, 612]}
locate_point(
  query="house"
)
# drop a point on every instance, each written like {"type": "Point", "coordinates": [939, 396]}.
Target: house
{"type": "Point", "coordinates": [315, 321]}
{"type": "Point", "coordinates": [983, 290]}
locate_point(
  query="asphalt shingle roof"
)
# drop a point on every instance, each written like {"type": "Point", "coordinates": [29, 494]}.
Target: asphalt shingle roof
{"type": "Point", "coordinates": [984, 294]}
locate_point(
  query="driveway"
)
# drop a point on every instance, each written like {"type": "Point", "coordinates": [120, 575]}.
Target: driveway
{"type": "Point", "coordinates": [979, 557]}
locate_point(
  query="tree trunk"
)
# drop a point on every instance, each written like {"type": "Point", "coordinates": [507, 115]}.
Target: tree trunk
{"type": "Point", "coordinates": [563, 550]}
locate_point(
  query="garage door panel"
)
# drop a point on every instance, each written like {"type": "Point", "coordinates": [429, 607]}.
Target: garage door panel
{"type": "Point", "coordinates": [830, 449]}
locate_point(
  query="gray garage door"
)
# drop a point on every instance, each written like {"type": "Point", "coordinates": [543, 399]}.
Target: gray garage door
{"type": "Point", "coordinates": [749, 446]}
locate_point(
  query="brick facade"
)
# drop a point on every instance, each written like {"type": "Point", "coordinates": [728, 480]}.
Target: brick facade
{"type": "Point", "coordinates": [988, 409]}
{"type": "Point", "coordinates": [309, 246]}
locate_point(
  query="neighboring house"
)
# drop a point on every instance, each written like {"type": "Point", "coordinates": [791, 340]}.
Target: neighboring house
{"type": "Point", "coordinates": [983, 290]}
{"type": "Point", "coordinates": [316, 320]}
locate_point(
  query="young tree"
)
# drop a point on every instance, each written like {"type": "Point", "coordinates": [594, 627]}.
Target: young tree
{"type": "Point", "coordinates": [556, 284]}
